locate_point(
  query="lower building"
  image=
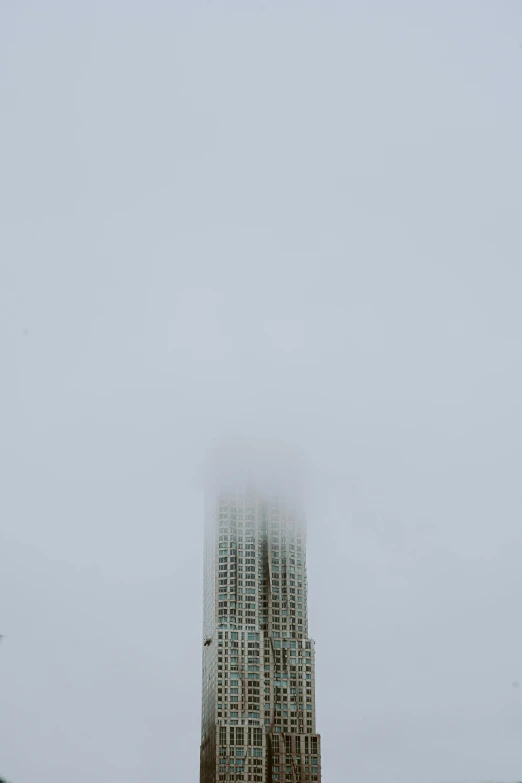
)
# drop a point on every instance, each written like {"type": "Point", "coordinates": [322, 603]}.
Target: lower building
{"type": "Point", "coordinates": [258, 694]}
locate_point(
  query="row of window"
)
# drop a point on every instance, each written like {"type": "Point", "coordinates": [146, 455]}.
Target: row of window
{"type": "Point", "coordinates": [277, 596]}
{"type": "Point", "coordinates": [287, 553]}
{"type": "Point", "coordinates": [279, 705]}
{"type": "Point", "coordinates": [280, 700]}
{"type": "Point", "coordinates": [288, 572]}
{"type": "Point", "coordinates": [276, 528]}
{"type": "Point", "coordinates": [231, 624]}
{"type": "Point", "coordinates": [229, 599]}
{"type": "Point", "coordinates": [253, 664]}
{"type": "Point", "coordinates": [234, 537]}
{"type": "Point", "coordinates": [280, 723]}
{"type": "Point", "coordinates": [288, 767]}
{"type": "Point", "coordinates": [290, 644]}
{"type": "Point", "coordinates": [280, 678]}
{"type": "Point", "coordinates": [242, 514]}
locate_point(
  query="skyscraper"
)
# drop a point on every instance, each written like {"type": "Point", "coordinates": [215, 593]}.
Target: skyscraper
{"type": "Point", "coordinates": [258, 694]}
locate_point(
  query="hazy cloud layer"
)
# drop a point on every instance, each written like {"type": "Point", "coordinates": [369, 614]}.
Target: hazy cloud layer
{"type": "Point", "coordinates": [295, 221]}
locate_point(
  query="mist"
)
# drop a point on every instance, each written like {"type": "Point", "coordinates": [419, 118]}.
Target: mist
{"type": "Point", "coordinates": [264, 467]}
{"type": "Point", "coordinates": [299, 224]}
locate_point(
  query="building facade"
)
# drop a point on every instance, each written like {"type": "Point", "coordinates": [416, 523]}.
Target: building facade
{"type": "Point", "coordinates": [258, 690]}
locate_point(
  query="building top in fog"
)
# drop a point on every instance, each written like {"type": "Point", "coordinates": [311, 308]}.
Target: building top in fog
{"type": "Point", "coordinates": [267, 467]}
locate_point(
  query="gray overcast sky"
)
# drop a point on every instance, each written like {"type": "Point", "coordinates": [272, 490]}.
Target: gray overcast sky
{"type": "Point", "coordinates": [300, 220]}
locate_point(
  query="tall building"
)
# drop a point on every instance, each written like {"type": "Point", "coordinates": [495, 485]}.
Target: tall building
{"type": "Point", "coordinates": [258, 694]}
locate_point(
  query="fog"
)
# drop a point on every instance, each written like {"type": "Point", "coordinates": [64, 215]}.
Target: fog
{"type": "Point", "coordinates": [266, 468]}
{"type": "Point", "coordinates": [294, 222]}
